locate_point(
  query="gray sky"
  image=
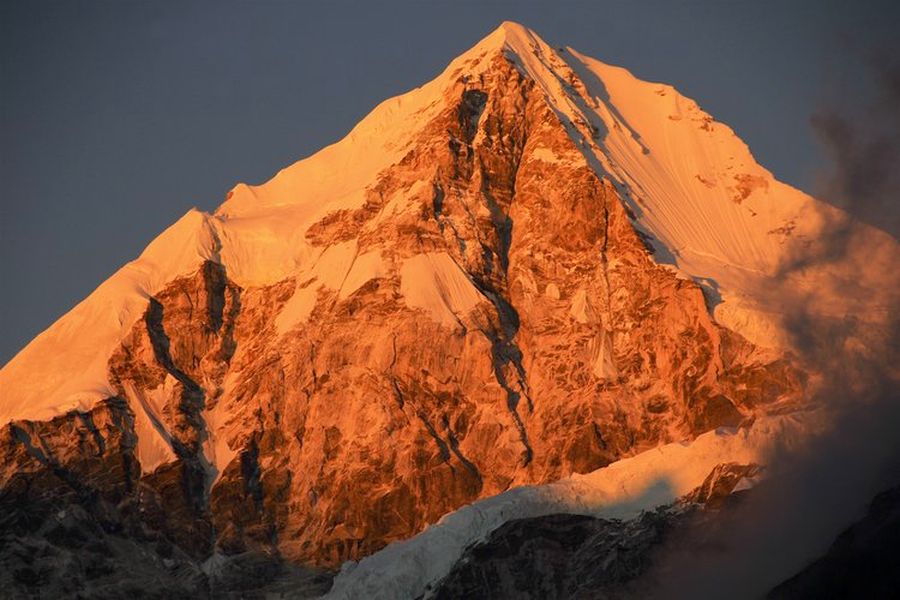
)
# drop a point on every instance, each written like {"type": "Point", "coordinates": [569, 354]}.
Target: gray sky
{"type": "Point", "coordinates": [117, 117]}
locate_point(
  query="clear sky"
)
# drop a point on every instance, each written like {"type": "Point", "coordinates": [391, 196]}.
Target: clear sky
{"type": "Point", "coordinates": [117, 117]}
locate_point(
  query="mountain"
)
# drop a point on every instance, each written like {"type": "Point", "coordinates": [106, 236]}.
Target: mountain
{"type": "Point", "coordinates": [530, 268]}
{"type": "Point", "coordinates": [861, 563]}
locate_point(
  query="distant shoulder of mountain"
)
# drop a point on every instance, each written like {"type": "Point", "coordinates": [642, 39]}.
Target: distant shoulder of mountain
{"type": "Point", "coordinates": [863, 562]}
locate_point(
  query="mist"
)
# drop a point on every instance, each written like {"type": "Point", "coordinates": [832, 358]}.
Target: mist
{"type": "Point", "coordinates": [813, 492]}
{"type": "Point", "coordinates": [864, 147]}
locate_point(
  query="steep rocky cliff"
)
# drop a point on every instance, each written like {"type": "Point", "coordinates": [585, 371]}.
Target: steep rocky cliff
{"type": "Point", "coordinates": [458, 298]}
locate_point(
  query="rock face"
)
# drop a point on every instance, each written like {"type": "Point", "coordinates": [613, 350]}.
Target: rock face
{"type": "Point", "coordinates": [486, 316]}
{"type": "Point", "coordinates": [558, 556]}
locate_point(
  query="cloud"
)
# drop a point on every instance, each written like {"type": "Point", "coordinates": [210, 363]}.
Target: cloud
{"type": "Point", "coordinates": [813, 492]}
{"type": "Point", "coordinates": [864, 147]}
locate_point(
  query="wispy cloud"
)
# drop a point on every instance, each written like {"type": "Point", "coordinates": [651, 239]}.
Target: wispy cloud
{"type": "Point", "coordinates": [813, 492]}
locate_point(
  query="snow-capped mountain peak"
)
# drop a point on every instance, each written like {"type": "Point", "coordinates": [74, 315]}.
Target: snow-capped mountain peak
{"type": "Point", "coordinates": [534, 265]}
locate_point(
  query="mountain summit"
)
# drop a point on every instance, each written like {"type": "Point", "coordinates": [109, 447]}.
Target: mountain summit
{"type": "Point", "coordinates": [533, 266]}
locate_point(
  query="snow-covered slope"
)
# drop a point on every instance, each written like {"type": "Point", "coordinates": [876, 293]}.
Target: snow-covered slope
{"type": "Point", "coordinates": [64, 368]}
{"type": "Point", "coordinates": [694, 187]}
